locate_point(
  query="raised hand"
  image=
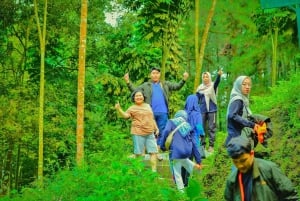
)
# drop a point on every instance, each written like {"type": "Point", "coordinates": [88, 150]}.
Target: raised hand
{"type": "Point", "coordinates": [117, 106]}
{"type": "Point", "coordinates": [126, 78]}
{"type": "Point", "coordinates": [185, 76]}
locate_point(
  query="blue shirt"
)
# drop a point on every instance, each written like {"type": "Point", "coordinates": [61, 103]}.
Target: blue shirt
{"type": "Point", "coordinates": [158, 101]}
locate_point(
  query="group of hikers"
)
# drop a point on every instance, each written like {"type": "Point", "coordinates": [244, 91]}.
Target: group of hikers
{"type": "Point", "coordinates": [251, 179]}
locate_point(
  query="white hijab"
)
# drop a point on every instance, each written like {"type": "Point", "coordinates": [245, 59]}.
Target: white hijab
{"type": "Point", "coordinates": [236, 94]}
{"type": "Point", "coordinates": [208, 90]}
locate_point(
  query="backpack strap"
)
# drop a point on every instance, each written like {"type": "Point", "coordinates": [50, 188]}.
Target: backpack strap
{"type": "Point", "coordinates": [170, 136]}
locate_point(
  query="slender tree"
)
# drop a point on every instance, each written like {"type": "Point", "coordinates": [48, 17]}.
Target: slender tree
{"type": "Point", "coordinates": [203, 43]}
{"type": "Point", "coordinates": [81, 79]}
{"type": "Point", "coordinates": [42, 39]}
{"type": "Point", "coordinates": [197, 58]}
{"type": "Point", "coordinates": [274, 56]}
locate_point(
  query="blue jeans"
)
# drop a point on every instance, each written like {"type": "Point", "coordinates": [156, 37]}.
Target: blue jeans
{"type": "Point", "coordinates": [161, 121]}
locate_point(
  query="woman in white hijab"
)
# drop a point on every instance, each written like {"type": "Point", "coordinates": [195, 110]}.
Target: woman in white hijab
{"type": "Point", "coordinates": [206, 93]}
{"type": "Point", "coordinates": [238, 108]}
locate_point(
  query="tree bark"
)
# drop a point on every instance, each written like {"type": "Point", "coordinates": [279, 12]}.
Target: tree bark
{"type": "Point", "coordinates": [6, 176]}
{"type": "Point", "coordinates": [164, 58]}
{"type": "Point", "coordinates": [17, 166]}
{"type": "Point", "coordinates": [81, 80]}
{"type": "Point", "coordinates": [203, 44]}
{"type": "Point", "coordinates": [274, 57]}
{"type": "Point", "coordinates": [197, 58]}
{"type": "Point", "coordinates": [42, 39]}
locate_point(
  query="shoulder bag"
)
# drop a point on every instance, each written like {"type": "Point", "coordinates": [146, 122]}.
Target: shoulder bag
{"type": "Point", "coordinates": [170, 137]}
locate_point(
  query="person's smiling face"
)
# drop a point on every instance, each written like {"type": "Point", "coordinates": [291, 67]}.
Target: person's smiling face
{"type": "Point", "coordinates": [155, 76]}
{"type": "Point", "coordinates": [138, 98]}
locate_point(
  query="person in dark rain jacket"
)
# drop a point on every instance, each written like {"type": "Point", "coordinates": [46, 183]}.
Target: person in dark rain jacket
{"type": "Point", "coordinates": [255, 179]}
{"type": "Point", "coordinates": [238, 108]}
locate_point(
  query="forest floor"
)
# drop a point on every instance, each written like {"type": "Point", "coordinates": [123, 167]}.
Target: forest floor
{"type": "Point", "coordinates": [164, 170]}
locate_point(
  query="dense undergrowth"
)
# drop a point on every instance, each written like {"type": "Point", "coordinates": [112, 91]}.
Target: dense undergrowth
{"type": "Point", "coordinates": [111, 175]}
{"type": "Point", "coordinates": [105, 178]}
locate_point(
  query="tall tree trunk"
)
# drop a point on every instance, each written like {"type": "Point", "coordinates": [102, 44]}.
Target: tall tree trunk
{"type": "Point", "coordinates": [17, 166]}
{"type": "Point", "coordinates": [165, 55]}
{"type": "Point", "coordinates": [197, 58]}
{"type": "Point", "coordinates": [81, 80]}
{"type": "Point", "coordinates": [203, 43]}
{"type": "Point", "coordinates": [274, 56]}
{"type": "Point", "coordinates": [42, 39]}
{"type": "Point", "coordinates": [6, 176]}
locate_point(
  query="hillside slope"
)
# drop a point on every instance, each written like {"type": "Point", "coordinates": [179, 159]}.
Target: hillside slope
{"type": "Point", "coordinates": [283, 107]}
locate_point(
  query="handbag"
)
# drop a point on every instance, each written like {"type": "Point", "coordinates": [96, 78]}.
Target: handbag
{"type": "Point", "coordinates": [170, 137]}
